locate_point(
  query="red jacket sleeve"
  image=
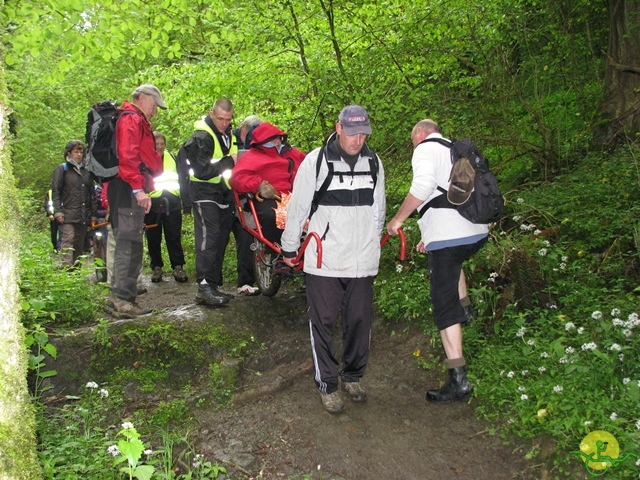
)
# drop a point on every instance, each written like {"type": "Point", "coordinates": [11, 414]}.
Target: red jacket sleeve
{"type": "Point", "coordinates": [135, 144]}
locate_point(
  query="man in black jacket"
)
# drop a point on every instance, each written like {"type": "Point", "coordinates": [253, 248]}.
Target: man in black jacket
{"type": "Point", "coordinates": [211, 154]}
{"type": "Point", "coordinates": [74, 202]}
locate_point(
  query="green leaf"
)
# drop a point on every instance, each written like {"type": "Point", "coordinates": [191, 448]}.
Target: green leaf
{"type": "Point", "coordinates": [51, 350]}
{"type": "Point", "coordinates": [144, 472]}
{"type": "Point", "coordinates": [48, 373]}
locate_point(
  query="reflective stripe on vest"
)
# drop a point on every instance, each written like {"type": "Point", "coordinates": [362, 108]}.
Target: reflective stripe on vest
{"type": "Point", "coordinates": [168, 179]}
{"type": "Point", "coordinates": [217, 154]}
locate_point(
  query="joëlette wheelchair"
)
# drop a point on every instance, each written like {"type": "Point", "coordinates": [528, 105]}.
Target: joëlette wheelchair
{"type": "Point", "coordinates": [268, 267]}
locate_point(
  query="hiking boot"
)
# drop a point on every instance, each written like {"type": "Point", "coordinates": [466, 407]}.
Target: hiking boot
{"type": "Point", "coordinates": [179, 275]}
{"type": "Point", "coordinates": [248, 290]}
{"type": "Point", "coordinates": [141, 289]}
{"type": "Point", "coordinates": [223, 294]}
{"type": "Point", "coordinates": [457, 387]}
{"type": "Point", "coordinates": [354, 391]}
{"type": "Point", "coordinates": [210, 296]}
{"type": "Point", "coordinates": [130, 308]}
{"type": "Point", "coordinates": [111, 301]}
{"type": "Point", "coordinates": [156, 276]}
{"type": "Point", "coordinates": [332, 402]}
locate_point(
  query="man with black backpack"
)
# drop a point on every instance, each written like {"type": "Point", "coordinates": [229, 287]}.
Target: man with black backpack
{"type": "Point", "coordinates": [129, 201]}
{"type": "Point", "coordinates": [449, 239]}
{"type": "Point", "coordinates": [339, 187]}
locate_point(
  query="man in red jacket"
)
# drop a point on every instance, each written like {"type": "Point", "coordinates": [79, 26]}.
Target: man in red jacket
{"type": "Point", "coordinates": [138, 162]}
{"type": "Point", "coordinates": [268, 169]}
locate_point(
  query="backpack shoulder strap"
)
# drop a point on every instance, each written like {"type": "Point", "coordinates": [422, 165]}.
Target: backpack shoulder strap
{"type": "Point", "coordinates": [441, 141]}
{"type": "Point", "coordinates": [317, 196]}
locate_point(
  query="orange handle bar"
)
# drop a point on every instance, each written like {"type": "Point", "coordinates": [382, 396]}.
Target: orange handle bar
{"type": "Point", "coordinates": [403, 243]}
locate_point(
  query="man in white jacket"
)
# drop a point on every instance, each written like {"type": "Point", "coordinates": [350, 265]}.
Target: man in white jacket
{"type": "Point", "coordinates": [341, 186]}
{"type": "Point", "coordinates": [449, 239]}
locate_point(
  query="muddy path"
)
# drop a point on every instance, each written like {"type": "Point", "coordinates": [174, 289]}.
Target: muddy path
{"type": "Point", "coordinates": [277, 428]}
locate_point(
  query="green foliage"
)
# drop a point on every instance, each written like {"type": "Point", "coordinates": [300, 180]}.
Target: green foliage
{"type": "Point", "coordinates": [51, 294]}
{"type": "Point", "coordinates": [37, 341]}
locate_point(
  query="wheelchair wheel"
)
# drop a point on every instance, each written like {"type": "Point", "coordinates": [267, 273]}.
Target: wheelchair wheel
{"type": "Point", "coordinates": [263, 262]}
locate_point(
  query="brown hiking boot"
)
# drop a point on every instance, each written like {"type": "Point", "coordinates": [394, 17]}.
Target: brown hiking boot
{"type": "Point", "coordinates": [179, 275]}
{"type": "Point", "coordinates": [332, 402]}
{"type": "Point", "coordinates": [355, 392]}
{"type": "Point", "coordinates": [156, 276]}
{"type": "Point", "coordinates": [130, 308]}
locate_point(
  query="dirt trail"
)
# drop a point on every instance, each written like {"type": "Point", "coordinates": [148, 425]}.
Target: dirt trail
{"type": "Point", "coordinates": [277, 427]}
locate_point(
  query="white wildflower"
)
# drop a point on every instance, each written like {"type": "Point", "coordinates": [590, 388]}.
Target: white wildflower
{"type": "Point", "coordinates": [638, 425]}
{"type": "Point", "coordinates": [618, 323]}
{"type": "Point", "coordinates": [569, 350]}
{"type": "Point", "coordinates": [104, 393]}
{"type": "Point", "coordinates": [524, 373]}
{"type": "Point", "coordinates": [563, 360]}
{"type": "Point", "coordinates": [638, 463]}
{"type": "Point", "coordinates": [580, 330]}
{"type": "Point", "coordinates": [597, 315]}
{"type": "Point", "coordinates": [537, 232]}
{"type": "Point", "coordinates": [113, 450]}
{"type": "Point", "coordinates": [148, 452]}
{"type": "Point", "coordinates": [520, 333]}
{"type": "Point", "coordinates": [587, 423]}
{"type": "Point", "coordinates": [546, 243]}
{"type": "Point", "coordinates": [564, 258]}
{"type": "Point", "coordinates": [544, 355]}
{"type": "Point", "coordinates": [615, 312]}
{"type": "Point", "coordinates": [91, 385]}
{"type": "Point", "coordinates": [558, 388]}
{"type": "Point", "coordinates": [615, 347]}
{"type": "Point", "coordinates": [517, 218]}
{"type": "Point", "coordinates": [542, 369]}
{"type": "Point", "coordinates": [511, 375]}
{"type": "Point", "coordinates": [633, 320]}
{"type": "Point", "coordinates": [398, 268]}
{"type": "Point", "coordinates": [553, 306]}
{"type": "Point", "coordinates": [563, 266]}
{"type": "Point", "coordinates": [127, 426]}
{"type": "Point", "coordinates": [531, 343]}
{"type": "Point", "coordinates": [524, 397]}
{"type": "Point", "coordinates": [621, 358]}
{"type": "Point", "coordinates": [542, 252]}
{"type": "Point", "coordinates": [589, 346]}
{"type": "Point", "coordinates": [569, 326]}
{"type": "Point", "coordinates": [520, 200]}
{"type": "Point", "coordinates": [522, 389]}
{"type": "Point", "coordinates": [627, 333]}
{"type": "Point", "coordinates": [626, 381]}
{"type": "Point", "coordinates": [613, 416]}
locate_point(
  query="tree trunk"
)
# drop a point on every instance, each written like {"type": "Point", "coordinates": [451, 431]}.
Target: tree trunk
{"type": "Point", "coordinates": [18, 459]}
{"type": "Point", "coordinates": [620, 109]}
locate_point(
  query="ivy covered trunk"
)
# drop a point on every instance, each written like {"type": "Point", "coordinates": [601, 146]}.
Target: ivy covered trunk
{"type": "Point", "coordinates": [18, 459]}
{"type": "Point", "coordinates": [621, 103]}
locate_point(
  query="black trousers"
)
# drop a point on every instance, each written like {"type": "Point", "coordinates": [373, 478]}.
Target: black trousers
{"type": "Point", "coordinates": [244, 255]}
{"type": "Point", "coordinates": [170, 223]}
{"type": "Point", "coordinates": [267, 216]}
{"type": "Point", "coordinates": [212, 227]}
{"type": "Point", "coordinates": [327, 298]}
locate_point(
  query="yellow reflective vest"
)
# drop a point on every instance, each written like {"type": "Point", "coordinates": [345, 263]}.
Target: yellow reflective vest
{"type": "Point", "coordinates": [217, 154]}
{"type": "Point", "coordinates": [168, 179]}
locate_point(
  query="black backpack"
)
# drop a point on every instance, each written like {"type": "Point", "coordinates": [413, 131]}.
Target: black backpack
{"type": "Point", "coordinates": [102, 154]}
{"type": "Point", "coordinates": [473, 188]}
